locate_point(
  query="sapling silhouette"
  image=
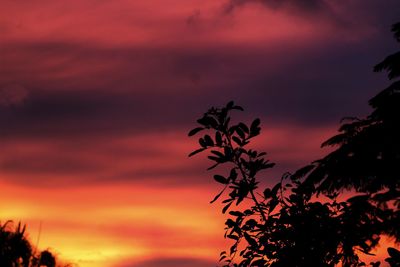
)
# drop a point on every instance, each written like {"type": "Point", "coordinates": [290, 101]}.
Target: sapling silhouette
{"type": "Point", "coordinates": [287, 225]}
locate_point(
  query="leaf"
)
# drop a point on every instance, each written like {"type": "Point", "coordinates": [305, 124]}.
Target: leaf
{"type": "Point", "coordinates": [254, 125]}
{"type": "Point", "coordinates": [230, 223]}
{"type": "Point", "coordinates": [202, 142]}
{"type": "Point", "coordinates": [208, 140]}
{"type": "Point", "coordinates": [240, 132]}
{"type": "Point", "coordinates": [226, 207]}
{"type": "Point", "coordinates": [195, 131]}
{"type": "Point", "coordinates": [394, 253]}
{"type": "Point", "coordinates": [261, 154]}
{"type": "Point", "coordinates": [272, 204]}
{"type": "Point", "coordinates": [244, 127]}
{"type": "Point", "coordinates": [250, 240]}
{"type": "Point", "coordinates": [267, 193]}
{"type": "Point", "coordinates": [238, 108]}
{"type": "Point", "coordinates": [208, 121]}
{"type": "Point", "coordinates": [248, 212]}
{"type": "Point", "coordinates": [228, 152]}
{"type": "Point", "coordinates": [233, 175]}
{"type": "Point", "coordinates": [212, 167]}
{"type": "Point", "coordinates": [196, 151]}
{"type": "Point", "coordinates": [217, 153]}
{"type": "Point", "coordinates": [234, 237]}
{"type": "Point", "coordinates": [218, 138]}
{"type": "Point", "coordinates": [239, 200]}
{"type": "Point", "coordinates": [237, 140]}
{"type": "Point", "coordinates": [226, 123]}
{"type": "Point", "coordinates": [221, 179]}
{"type": "Point", "coordinates": [234, 247]}
{"type": "Point", "coordinates": [268, 165]}
{"type": "Point", "coordinates": [236, 213]}
{"type": "Point", "coordinates": [230, 105]}
{"type": "Point", "coordinates": [275, 189]}
{"type": "Point", "coordinates": [217, 196]}
{"type": "Point", "coordinates": [217, 159]}
{"type": "Point", "coordinates": [231, 130]}
{"type": "Point", "coordinates": [251, 223]}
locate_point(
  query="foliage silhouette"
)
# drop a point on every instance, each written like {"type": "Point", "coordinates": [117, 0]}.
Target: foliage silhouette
{"type": "Point", "coordinates": [17, 251]}
{"type": "Point", "coordinates": [367, 159]}
{"type": "Point", "coordinates": [300, 221]}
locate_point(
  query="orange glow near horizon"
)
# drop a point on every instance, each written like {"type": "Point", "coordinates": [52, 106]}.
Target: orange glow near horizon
{"type": "Point", "coordinates": [109, 224]}
{"type": "Point", "coordinates": [98, 225]}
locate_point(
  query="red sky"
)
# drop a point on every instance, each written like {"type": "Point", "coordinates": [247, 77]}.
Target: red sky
{"type": "Point", "coordinates": [96, 98]}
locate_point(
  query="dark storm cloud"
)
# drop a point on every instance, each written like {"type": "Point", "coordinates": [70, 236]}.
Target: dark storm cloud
{"type": "Point", "coordinates": [302, 5]}
{"type": "Point", "coordinates": [81, 113]}
{"type": "Point", "coordinates": [51, 168]}
{"type": "Point", "coordinates": [50, 165]}
{"type": "Point", "coordinates": [306, 89]}
{"type": "Point", "coordinates": [344, 14]}
{"type": "Point", "coordinates": [171, 262]}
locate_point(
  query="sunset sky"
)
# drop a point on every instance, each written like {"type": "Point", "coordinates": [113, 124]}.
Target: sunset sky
{"type": "Point", "coordinates": [97, 97]}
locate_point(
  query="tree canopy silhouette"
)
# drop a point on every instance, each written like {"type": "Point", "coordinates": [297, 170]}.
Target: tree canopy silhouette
{"type": "Point", "coordinates": [368, 155]}
{"type": "Point", "coordinates": [301, 221]}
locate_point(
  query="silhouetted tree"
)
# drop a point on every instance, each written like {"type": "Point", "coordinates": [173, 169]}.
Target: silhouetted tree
{"type": "Point", "coordinates": [16, 250]}
{"type": "Point", "coordinates": [367, 157]}
{"type": "Point", "coordinates": [288, 225]}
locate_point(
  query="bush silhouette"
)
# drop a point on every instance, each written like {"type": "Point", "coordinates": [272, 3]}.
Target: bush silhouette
{"type": "Point", "coordinates": [289, 224]}
{"type": "Point", "coordinates": [17, 251]}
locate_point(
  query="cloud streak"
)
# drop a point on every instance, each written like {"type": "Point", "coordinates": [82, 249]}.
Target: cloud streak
{"type": "Point", "coordinates": [171, 262]}
{"type": "Point", "coordinates": [313, 6]}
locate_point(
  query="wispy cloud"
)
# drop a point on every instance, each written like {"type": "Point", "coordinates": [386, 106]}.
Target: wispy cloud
{"type": "Point", "coordinates": [313, 6]}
